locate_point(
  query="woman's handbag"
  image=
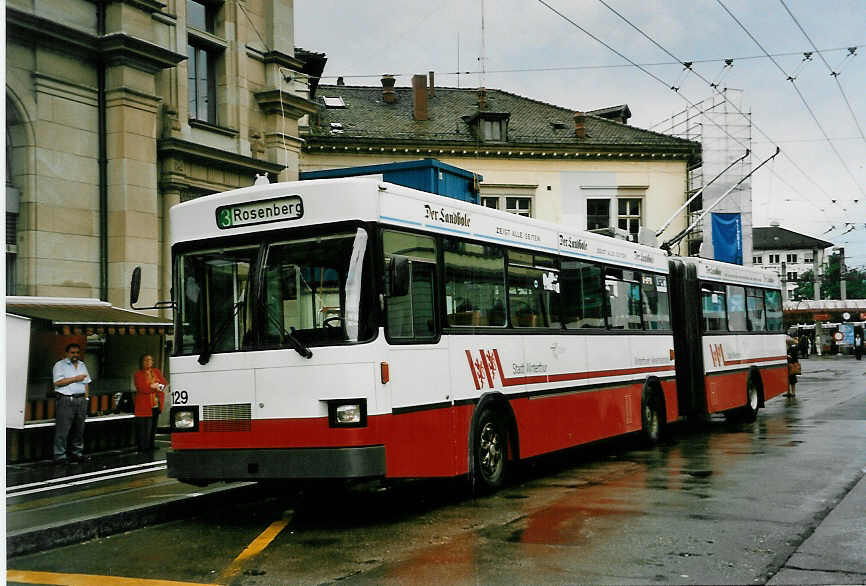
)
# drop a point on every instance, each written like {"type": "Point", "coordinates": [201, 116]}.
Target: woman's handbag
{"type": "Point", "coordinates": [794, 368]}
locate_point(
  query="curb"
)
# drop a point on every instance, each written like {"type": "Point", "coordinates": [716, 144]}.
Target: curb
{"type": "Point", "coordinates": [49, 537]}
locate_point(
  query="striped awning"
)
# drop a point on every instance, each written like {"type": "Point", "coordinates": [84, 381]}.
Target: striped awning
{"type": "Point", "coordinates": [87, 316]}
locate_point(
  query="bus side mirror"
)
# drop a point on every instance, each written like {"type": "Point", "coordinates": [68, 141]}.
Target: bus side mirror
{"type": "Point", "coordinates": [135, 286]}
{"type": "Point", "coordinates": [399, 276]}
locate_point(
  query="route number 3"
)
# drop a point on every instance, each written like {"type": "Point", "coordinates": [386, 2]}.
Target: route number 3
{"type": "Point", "coordinates": [179, 397]}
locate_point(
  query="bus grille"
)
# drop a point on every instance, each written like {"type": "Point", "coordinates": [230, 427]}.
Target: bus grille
{"type": "Point", "coordinates": [226, 417]}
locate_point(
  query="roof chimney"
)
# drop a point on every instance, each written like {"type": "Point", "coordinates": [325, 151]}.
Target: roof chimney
{"type": "Point", "coordinates": [340, 81]}
{"type": "Point", "coordinates": [482, 98]}
{"type": "Point", "coordinates": [419, 97]}
{"type": "Point", "coordinates": [431, 90]}
{"type": "Point", "coordinates": [389, 96]}
{"type": "Point", "coordinates": [579, 125]}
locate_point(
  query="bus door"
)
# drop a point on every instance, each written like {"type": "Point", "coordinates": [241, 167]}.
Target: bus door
{"type": "Point", "coordinates": [418, 391]}
{"type": "Point", "coordinates": [686, 322]}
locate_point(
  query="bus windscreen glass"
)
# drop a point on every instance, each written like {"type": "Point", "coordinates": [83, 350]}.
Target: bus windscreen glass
{"type": "Point", "coordinates": [314, 289]}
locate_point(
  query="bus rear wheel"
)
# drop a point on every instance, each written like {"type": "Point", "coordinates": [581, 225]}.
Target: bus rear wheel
{"type": "Point", "coordinates": [652, 419]}
{"type": "Point", "coordinates": [489, 452]}
{"type": "Point", "coordinates": [750, 410]}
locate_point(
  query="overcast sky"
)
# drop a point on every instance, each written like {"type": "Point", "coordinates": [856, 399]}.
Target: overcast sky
{"type": "Point", "coordinates": [365, 39]}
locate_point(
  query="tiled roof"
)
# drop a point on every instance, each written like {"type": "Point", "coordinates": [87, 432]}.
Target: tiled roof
{"type": "Point", "coordinates": [533, 123]}
{"type": "Point", "coordinates": [775, 237]}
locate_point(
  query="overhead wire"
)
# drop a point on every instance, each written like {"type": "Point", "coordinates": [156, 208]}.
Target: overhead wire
{"type": "Point", "coordinates": [688, 66]}
{"type": "Point", "coordinates": [799, 93]}
{"type": "Point", "coordinates": [834, 74]}
{"type": "Point", "coordinates": [586, 67]}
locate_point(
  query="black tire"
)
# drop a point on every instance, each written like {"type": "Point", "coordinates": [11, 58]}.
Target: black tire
{"type": "Point", "coordinates": [748, 412]}
{"type": "Point", "coordinates": [652, 418]}
{"type": "Point", "coordinates": [489, 452]}
{"type": "Point", "coordinates": [753, 401]}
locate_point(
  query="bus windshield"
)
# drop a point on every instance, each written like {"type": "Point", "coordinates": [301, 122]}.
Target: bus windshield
{"type": "Point", "coordinates": [310, 291]}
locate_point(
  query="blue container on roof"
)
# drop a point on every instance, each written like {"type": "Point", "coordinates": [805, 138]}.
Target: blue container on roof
{"type": "Point", "coordinates": [429, 175]}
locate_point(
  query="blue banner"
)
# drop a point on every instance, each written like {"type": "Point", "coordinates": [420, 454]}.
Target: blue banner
{"type": "Point", "coordinates": [728, 238]}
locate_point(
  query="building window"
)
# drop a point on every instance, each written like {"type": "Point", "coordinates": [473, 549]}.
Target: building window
{"type": "Point", "coordinates": [201, 80]}
{"type": "Point", "coordinates": [597, 214]}
{"type": "Point", "coordinates": [493, 130]}
{"type": "Point", "coordinates": [809, 260]}
{"type": "Point", "coordinates": [513, 204]}
{"type": "Point", "coordinates": [791, 258]}
{"type": "Point", "coordinates": [200, 15]}
{"type": "Point", "coordinates": [629, 215]}
{"type": "Point", "coordinates": [792, 276]}
{"type": "Point", "coordinates": [773, 259]}
{"type": "Point", "coordinates": [756, 260]}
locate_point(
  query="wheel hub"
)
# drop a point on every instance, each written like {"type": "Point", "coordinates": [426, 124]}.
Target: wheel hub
{"type": "Point", "coordinates": [490, 450]}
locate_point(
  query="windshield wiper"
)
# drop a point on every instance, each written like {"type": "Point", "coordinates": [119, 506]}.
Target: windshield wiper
{"type": "Point", "coordinates": [293, 341]}
{"type": "Point", "coordinates": [204, 357]}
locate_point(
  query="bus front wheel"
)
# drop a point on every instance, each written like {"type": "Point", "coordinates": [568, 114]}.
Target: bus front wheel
{"type": "Point", "coordinates": [489, 452]}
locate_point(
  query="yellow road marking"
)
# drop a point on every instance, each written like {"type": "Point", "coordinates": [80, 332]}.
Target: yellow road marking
{"type": "Point", "coordinates": [58, 579]}
{"type": "Point", "coordinates": [258, 544]}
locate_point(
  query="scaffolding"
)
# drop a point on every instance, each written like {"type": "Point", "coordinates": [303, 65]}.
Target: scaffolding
{"type": "Point", "coordinates": [724, 128]}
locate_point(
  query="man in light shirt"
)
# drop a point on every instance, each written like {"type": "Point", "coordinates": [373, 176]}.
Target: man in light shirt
{"type": "Point", "coordinates": [71, 382]}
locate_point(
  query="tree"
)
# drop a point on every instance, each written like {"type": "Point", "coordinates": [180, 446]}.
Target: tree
{"type": "Point", "coordinates": [855, 287]}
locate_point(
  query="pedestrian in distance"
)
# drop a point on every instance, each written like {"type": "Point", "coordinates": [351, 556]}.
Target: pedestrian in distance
{"type": "Point", "coordinates": [804, 346]}
{"type": "Point", "coordinates": [793, 366]}
{"type": "Point", "coordinates": [149, 398]}
{"type": "Point", "coordinates": [72, 385]}
{"type": "Point", "coordinates": [858, 345]}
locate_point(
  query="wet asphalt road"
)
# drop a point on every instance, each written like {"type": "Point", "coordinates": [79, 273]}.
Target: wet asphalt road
{"type": "Point", "coordinates": [722, 504]}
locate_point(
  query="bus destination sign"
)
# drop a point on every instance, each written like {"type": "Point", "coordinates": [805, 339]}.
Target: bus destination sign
{"type": "Point", "coordinates": [279, 209]}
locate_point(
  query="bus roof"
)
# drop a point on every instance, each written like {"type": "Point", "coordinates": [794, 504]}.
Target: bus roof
{"type": "Point", "coordinates": [713, 270]}
{"type": "Point", "coordinates": [279, 206]}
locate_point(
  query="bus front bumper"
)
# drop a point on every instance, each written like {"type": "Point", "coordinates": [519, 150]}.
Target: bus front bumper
{"type": "Point", "coordinates": [274, 464]}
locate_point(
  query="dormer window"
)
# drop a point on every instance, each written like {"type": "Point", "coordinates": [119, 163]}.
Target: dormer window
{"type": "Point", "coordinates": [334, 102]}
{"type": "Point", "coordinates": [489, 126]}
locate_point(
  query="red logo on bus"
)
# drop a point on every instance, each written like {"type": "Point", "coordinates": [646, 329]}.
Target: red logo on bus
{"type": "Point", "coordinates": [485, 368]}
{"type": "Point", "coordinates": [718, 354]}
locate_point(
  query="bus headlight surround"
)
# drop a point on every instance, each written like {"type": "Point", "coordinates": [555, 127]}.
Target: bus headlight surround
{"type": "Point", "coordinates": [184, 418]}
{"type": "Point", "coordinates": [347, 413]}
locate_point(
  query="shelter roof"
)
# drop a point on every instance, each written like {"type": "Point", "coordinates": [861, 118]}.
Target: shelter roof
{"type": "Point", "coordinates": [81, 315]}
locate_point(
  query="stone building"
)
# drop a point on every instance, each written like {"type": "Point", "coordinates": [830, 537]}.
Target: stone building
{"type": "Point", "coordinates": [586, 170]}
{"type": "Point", "coordinates": [117, 110]}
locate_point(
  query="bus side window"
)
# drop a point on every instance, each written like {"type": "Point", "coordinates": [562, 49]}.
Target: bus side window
{"type": "Point", "coordinates": [533, 291]}
{"type": "Point", "coordinates": [736, 297]}
{"type": "Point", "coordinates": [474, 283]}
{"type": "Point", "coordinates": [582, 295]}
{"type": "Point", "coordinates": [411, 316]}
{"type": "Point", "coordinates": [713, 308]}
{"type": "Point", "coordinates": [623, 294]}
{"type": "Point", "coordinates": [654, 297]}
{"type": "Point", "coordinates": [755, 309]}
{"type": "Point", "coordinates": [773, 301]}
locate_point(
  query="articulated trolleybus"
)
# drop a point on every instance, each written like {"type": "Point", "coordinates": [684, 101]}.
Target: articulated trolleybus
{"type": "Point", "coordinates": [349, 328]}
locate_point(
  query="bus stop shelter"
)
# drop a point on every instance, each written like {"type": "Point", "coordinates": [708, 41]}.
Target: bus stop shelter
{"type": "Point", "coordinates": [112, 339]}
{"type": "Point", "coordinates": [832, 322]}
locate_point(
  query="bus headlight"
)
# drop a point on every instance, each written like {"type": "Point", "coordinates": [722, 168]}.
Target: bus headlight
{"type": "Point", "coordinates": [184, 419]}
{"type": "Point", "coordinates": [347, 413]}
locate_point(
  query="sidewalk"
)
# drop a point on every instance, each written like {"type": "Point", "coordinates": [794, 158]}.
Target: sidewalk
{"type": "Point", "coordinates": [49, 506]}
{"type": "Point", "coordinates": [834, 553]}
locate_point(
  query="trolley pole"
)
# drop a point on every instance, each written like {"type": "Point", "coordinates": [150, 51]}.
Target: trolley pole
{"type": "Point", "coordinates": [842, 283]}
{"type": "Point", "coordinates": [817, 278]}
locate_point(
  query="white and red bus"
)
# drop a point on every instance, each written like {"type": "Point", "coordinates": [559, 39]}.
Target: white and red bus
{"type": "Point", "coordinates": [350, 328]}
